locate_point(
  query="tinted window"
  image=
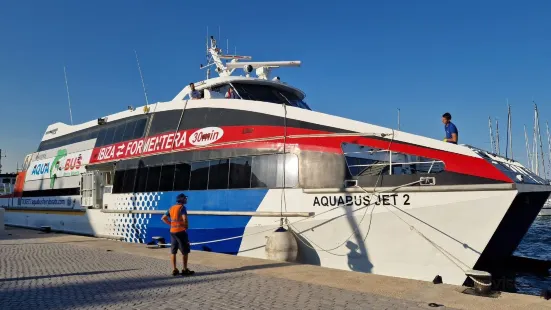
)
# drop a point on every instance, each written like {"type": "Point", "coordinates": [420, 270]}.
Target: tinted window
{"type": "Point", "coordinates": [368, 161]}
{"type": "Point", "coordinates": [199, 175]}
{"type": "Point", "coordinates": [181, 177]}
{"type": "Point", "coordinates": [101, 136]}
{"type": "Point", "coordinates": [118, 181]}
{"type": "Point", "coordinates": [141, 180]}
{"type": "Point", "coordinates": [218, 174]}
{"type": "Point", "coordinates": [267, 93]}
{"type": "Point", "coordinates": [129, 131]}
{"type": "Point", "coordinates": [119, 133]}
{"type": "Point", "coordinates": [153, 177]}
{"type": "Point", "coordinates": [128, 183]}
{"type": "Point", "coordinates": [264, 171]}
{"type": "Point", "coordinates": [109, 136]}
{"type": "Point", "coordinates": [240, 172]}
{"type": "Point", "coordinates": [93, 134]}
{"type": "Point", "coordinates": [167, 178]}
{"type": "Point", "coordinates": [165, 121]}
{"type": "Point", "coordinates": [139, 129]}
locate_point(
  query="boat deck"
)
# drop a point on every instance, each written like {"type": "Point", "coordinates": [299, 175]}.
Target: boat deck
{"type": "Point", "coordinates": [58, 271]}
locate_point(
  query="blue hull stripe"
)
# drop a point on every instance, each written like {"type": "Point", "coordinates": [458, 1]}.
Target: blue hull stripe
{"type": "Point", "coordinates": [207, 228]}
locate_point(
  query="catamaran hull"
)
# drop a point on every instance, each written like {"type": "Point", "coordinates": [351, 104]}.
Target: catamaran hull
{"type": "Point", "coordinates": [416, 235]}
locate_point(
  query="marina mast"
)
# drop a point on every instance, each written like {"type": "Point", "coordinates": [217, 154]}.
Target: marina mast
{"type": "Point", "coordinates": [528, 153]}
{"type": "Point", "coordinates": [492, 142]}
{"type": "Point", "coordinates": [538, 137]}
{"type": "Point", "coordinates": [497, 137]}
{"type": "Point", "coordinates": [509, 131]}
{"type": "Point", "coordinates": [1, 160]}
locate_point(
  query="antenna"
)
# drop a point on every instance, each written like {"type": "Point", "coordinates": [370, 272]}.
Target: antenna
{"type": "Point", "coordinates": [68, 96]}
{"type": "Point", "coordinates": [227, 46]}
{"type": "Point", "coordinates": [141, 77]}
{"type": "Point", "coordinates": [398, 119]}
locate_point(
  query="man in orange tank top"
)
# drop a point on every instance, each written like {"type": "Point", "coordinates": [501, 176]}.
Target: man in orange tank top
{"type": "Point", "coordinates": [176, 217]}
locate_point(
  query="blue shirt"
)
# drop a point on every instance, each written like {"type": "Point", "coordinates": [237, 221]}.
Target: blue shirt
{"type": "Point", "coordinates": [195, 94]}
{"type": "Point", "coordinates": [183, 211]}
{"type": "Point", "coordinates": [450, 129]}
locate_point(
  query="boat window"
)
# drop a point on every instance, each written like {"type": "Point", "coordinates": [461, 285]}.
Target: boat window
{"type": "Point", "coordinates": [109, 136]}
{"type": "Point", "coordinates": [165, 121]}
{"type": "Point", "coordinates": [199, 175]}
{"type": "Point", "coordinates": [218, 174]}
{"type": "Point", "coordinates": [267, 93]}
{"type": "Point", "coordinates": [363, 160]}
{"type": "Point", "coordinates": [101, 137]}
{"type": "Point", "coordinates": [93, 134]}
{"type": "Point", "coordinates": [119, 133]}
{"type": "Point", "coordinates": [290, 162]}
{"type": "Point", "coordinates": [267, 171]}
{"type": "Point", "coordinates": [153, 176]}
{"type": "Point", "coordinates": [167, 178]}
{"type": "Point", "coordinates": [181, 177]}
{"type": "Point", "coordinates": [118, 181]}
{"type": "Point", "coordinates": [128, 182]}
{"type": "Point", "coordinates": [129, 130]}
{"type": "Point", "coordinates": [240, 172]}
{"type": "Point", "coordinates": [141, 180]}
{"type": "Point", "coordinates": [139, 130]}
{"type": "Point", "coordinates": [264, 171]}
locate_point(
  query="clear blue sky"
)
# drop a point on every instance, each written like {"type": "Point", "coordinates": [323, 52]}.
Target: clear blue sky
{"type": "Point", "coordinates": [361, 59]}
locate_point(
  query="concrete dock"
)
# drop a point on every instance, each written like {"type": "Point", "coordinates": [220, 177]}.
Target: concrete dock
{"type": "Point", "coordinates": [57, 271]}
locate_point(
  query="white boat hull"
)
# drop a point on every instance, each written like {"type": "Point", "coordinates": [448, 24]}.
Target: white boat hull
{"type": "Point", "coordinates": [436, 233]}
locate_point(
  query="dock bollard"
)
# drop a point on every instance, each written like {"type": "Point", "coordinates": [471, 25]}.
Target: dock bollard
{"type": "Point", "coordinates": [482, 281]}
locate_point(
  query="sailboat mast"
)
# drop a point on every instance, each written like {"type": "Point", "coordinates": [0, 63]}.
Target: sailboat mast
{"type": "Point", "coordinates": [510, 130]}
{"type": "Point", "coordinates": [528, 155]}
{"type": "Point", "coordinates": [541, 144]}
{"type": "Point", "coordinates": [497, 137]}
{"type": "Point", "coordinates": [548, 143]}
{"type": "Point", "coordinates": [535, 156]}
{"type": "Point", "coordinates": [491, 136]}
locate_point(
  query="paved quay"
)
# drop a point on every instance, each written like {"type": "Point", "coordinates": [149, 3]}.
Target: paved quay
{"type": "Point", "coordinates": [58, 271]}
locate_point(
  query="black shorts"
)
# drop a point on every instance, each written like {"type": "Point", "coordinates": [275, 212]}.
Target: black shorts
{"type": "Point", "coordinates": [180, 241]}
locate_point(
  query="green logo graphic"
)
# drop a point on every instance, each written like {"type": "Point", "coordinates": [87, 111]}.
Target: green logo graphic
{"type": "Point", "coordinates": [55, 166]}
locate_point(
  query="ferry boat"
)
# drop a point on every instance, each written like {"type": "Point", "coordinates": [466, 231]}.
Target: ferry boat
{"type": "Point", "coordinates": [252, 156]}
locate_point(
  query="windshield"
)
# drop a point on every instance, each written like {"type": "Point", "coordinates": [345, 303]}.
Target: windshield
{"type": "Point", "coordinates": [267, 93]}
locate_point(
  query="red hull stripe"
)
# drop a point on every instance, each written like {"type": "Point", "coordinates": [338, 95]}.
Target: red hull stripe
{"type": "Point", "coordinates": [271, 138]}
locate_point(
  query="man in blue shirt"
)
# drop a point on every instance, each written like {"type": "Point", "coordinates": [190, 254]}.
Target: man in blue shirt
{"type": "Point", "coordinates": [194, 94]}
{"type": "Point", "coordinates": [452, 134]}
